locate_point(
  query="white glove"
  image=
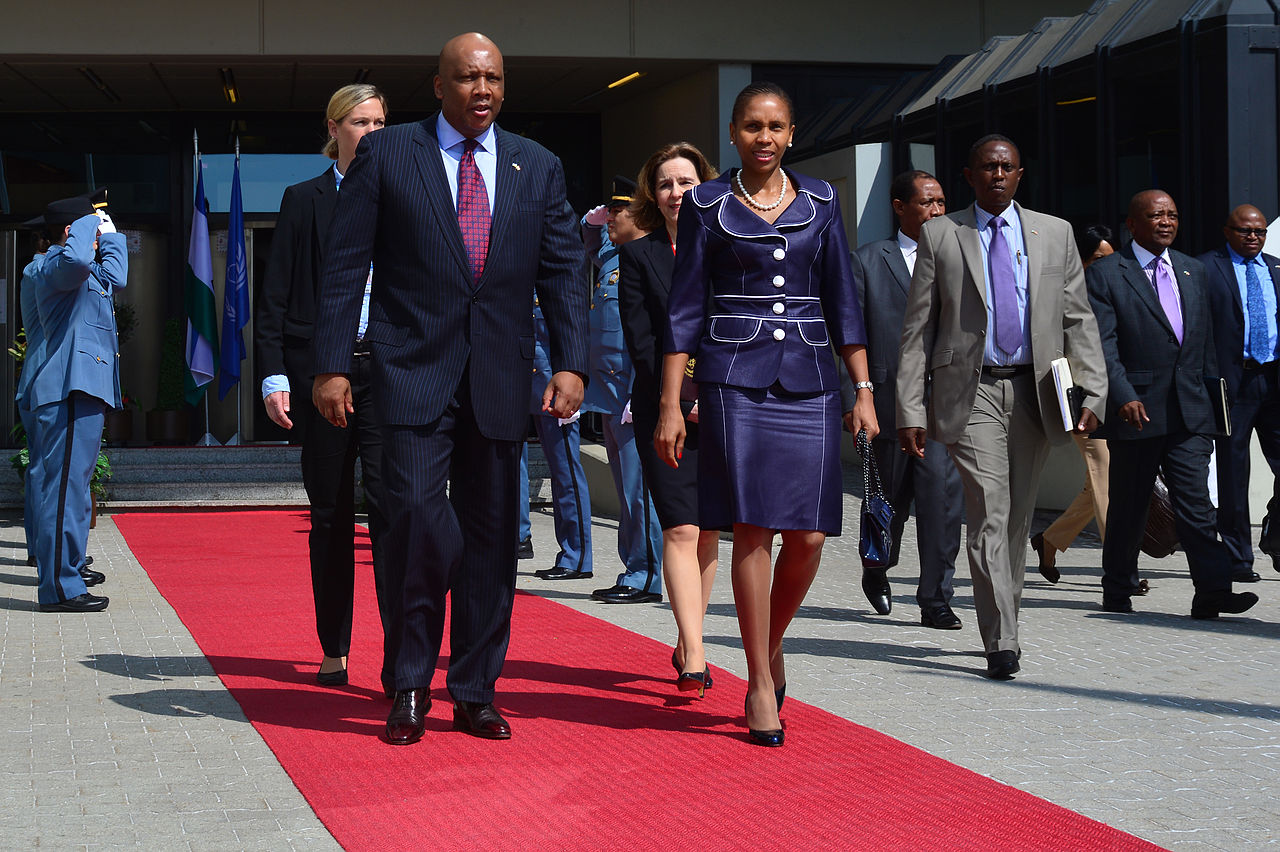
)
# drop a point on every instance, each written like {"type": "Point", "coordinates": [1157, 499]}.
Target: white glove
{"type": "Point", "coordinates": [626, 412]}
{"type": "Point", "coordinates": [597, 216]}
{"type": "Point", "coordinates": [107, 226]}
{"type": "Point", "coordinates": [573, 418]}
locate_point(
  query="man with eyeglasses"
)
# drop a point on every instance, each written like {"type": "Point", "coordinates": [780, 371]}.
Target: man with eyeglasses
{"type": "Point", "coordinates": [1244, 289]}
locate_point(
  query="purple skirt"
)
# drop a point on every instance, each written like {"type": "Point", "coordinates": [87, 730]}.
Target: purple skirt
{"type": "Point", "coordinates": [769, 458]}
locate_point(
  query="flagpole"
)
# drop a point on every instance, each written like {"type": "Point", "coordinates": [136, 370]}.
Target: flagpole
{"type": "Point", "coordinates": [206, 440]}
{"type": "Point", "coordinates": [234, 440]}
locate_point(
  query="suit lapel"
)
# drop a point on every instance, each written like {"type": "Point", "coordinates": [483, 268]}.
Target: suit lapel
{"type": "Point", "coordinates": [507, 176]}
{"type": "Point", "coordinates": [971, 249]}
{"type": "Point", "coordinates": [1134, 275]}
{"type": "Point", "coordinates": [426, 157]}
{"type": "Point", "coordinates": [325, 201]}
{"type": "Point", "coordinates": [662, 260]}
{"type": "Point", "coordinates": [897, 266]}
{"type": "Point", "coordinates": [1228, 273]}
{"type": "Point", "coordinates": [1033, 242]}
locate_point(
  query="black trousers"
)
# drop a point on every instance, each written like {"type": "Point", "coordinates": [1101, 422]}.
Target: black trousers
{"type": "Point", "coordinates": [1256, 407]}
{"type": "Point", "coordinates": [457, 543]}
{"type": "Point", "coordinates": [328, 473]}
{"type": "Point", "coordinates": [1184, 458]}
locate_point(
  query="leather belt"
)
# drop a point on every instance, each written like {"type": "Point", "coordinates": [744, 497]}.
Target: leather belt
{"type": "Point", "coordinates": [1250, 364]}
{"type": "Point", "coordinates": [1006, 372]}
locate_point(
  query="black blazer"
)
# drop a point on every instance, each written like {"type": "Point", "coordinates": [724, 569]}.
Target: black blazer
{"type": "Point", "coordinates": [429, 321]}
{"type": "Point", "coordinates": [1144, 360]}
{"type": "Point", "coordinates": [1228, 312]}
{"type": "Point", "coordinates": [286, 309]}
{"type": "Point", "coordinates": [645, 267]}
{"type": "Point", "coordinates": [882, 280]}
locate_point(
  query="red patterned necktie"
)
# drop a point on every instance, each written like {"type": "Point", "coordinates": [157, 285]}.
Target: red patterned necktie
{"type": "Point", "coordinates": [473, 209]}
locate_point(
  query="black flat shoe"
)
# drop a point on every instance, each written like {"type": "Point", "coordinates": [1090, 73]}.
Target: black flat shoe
{"type": "Point", "coordinates": [338, 678]}
{"type": "Point", "coordinates": [689, 681]}
{"type": "Point", "coordinates": [679, 671]}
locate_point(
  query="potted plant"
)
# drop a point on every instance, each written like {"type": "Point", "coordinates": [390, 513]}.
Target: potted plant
{"type": "Point", "coordinates": [168, 422]}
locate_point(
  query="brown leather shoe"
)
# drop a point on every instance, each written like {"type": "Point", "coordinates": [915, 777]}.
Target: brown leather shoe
{"type": "Point", "coordinates": [1046, 554]}
{"type": "Point", "coordinates": [480, 720]}
{"type": "Point", "coordinates": [408, 719]}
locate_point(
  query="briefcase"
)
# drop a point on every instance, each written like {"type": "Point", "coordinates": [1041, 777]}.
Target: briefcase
{"type": "Point", "coordinates": [1160, 538]}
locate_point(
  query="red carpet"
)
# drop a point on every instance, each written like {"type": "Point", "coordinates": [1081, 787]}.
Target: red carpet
{"type": "Point", "coordinates": [605, 754]}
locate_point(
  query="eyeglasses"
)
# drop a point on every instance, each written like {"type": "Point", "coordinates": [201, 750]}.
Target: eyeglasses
{"type": "Point", "coordinates": [1249, 232]}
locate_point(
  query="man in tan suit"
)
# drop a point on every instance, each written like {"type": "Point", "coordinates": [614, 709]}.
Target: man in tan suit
{"type": "Point", "coordinates": [998, 293]}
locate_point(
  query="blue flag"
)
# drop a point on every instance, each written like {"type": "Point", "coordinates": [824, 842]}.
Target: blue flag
{"type": "Point", "coordinates": [235, 294]}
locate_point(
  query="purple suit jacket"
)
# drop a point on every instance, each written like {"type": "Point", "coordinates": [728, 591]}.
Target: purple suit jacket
{"type": "Point", "coordinates": [759, 303]}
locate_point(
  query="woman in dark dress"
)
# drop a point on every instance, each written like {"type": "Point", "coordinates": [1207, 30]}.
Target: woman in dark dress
{"type": "Point", "coordinates": [762, 287]}
{"type": "Point", "coordinates": [689, 554]}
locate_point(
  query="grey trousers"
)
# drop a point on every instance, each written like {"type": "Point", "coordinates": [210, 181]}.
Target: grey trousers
{"type": "Point", "coordinates": [1000, 458]}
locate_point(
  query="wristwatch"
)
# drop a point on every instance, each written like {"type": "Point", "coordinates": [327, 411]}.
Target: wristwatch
{"type": "Point", "coordinates": [867, 385]}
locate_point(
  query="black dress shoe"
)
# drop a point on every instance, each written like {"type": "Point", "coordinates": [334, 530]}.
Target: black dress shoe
{"type": "Point", "coordinates": [88, 560]}
{"type": "Point", "coordinates": [1116, 604]}
{"type": "Point", "coordinates": [480, 720]}
{"type": "Point", "coordinates": [80, 603]}
{"type": "Point", "coordinates": [1002, 665]}
{"type": "Point", "coordinates": [93, 578]}
{"type": "Point", "coordinates": [621, 594]}
{"type": "Point", "coordinates": [1248, 576]}
{"type": "Point", "coordinates": [940, 617]}
{"type": "Point", "coordinates": [524, 550]}
{"type": "Point", "coordinates": [562, 574]}
{"type": "Point", "coordinates": [1213, 604]}
{"type": "Point", "coordinates": [1046, 568]}
{"type": "Point", "coordinates": [1143, 588]}
{"type": "Point", "coordinates": [336, 678]}
{"type": "Point", "coordinates": [408, 719]}
{"type": "Point", "coordinates": [875, 585]}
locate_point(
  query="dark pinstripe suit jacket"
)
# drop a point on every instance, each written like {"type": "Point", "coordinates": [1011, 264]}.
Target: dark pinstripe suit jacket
{"type": "Point", "coordinates": [427, 319]}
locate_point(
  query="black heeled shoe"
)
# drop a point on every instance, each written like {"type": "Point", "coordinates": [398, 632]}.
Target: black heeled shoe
{"type": "Point", "coordinates": [689, 681]}
{"type": "Point", "coordinates": [769, 739]}
{"type": "Point", "coordinates": [780, 693]}
{"type": "Point", "coordinates": [338, 678]}
{"type": "Point", "coordinates": [679, 671]}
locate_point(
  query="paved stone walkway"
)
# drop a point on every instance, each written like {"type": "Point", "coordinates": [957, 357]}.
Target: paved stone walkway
{"type": "Point", "coordinates": [115, 733]}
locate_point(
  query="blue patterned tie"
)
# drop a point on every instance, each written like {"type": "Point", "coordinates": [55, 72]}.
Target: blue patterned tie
{"type": "Point", "coordinates": [1258, 337]}
{"type": "Point", "coordinates": [1004, 290]}
{"type": "Point", "coordinates": [473, 209]}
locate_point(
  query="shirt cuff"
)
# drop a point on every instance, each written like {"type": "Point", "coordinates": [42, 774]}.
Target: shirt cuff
{"type": "Point", "coordinates": [274, 384]}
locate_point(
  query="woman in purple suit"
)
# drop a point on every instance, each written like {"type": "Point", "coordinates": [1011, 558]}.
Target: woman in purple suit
{"type": "Point", "coordinates": [762, 288]}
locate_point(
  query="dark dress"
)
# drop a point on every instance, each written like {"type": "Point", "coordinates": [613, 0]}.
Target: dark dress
{"type": "Point", "coordinates": [760, 306]}
{"type": "Point", "coordinates": [645, 278]}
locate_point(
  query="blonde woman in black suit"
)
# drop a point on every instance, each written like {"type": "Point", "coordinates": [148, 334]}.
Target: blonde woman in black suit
{"type": "Point", "coordinates": [689, 553]}
{"type": "Point", "coordinates": [284, 318]}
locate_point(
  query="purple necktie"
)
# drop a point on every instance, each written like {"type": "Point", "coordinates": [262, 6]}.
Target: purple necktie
{"type": "Point", "coordinates": [473, 209]}
{"type": "Point", "coordinates": [1163, 280]}
{"type": "Point", "coordinates": [1004, 290]}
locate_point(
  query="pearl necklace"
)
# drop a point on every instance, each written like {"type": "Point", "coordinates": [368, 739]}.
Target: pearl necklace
{"type": "Point", "coordinates": [747, 196]}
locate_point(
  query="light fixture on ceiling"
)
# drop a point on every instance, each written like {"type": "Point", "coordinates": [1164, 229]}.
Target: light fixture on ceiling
{"type": "Point", "coordinates": [1077, 101]}
{"type": "Point", "coordinates": [98, 83]}
{"type": "Point", "coordinates": [622, 81]}
{"type": "Point", "coordinates": [229, 90]}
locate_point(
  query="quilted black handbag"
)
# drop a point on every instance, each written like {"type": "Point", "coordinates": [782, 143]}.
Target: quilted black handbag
{"type": "Point", "coordinates": [875, 541]}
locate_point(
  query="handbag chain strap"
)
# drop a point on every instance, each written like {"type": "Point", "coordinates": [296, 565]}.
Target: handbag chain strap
{"type": "Point", "coordinates": [871, 486]}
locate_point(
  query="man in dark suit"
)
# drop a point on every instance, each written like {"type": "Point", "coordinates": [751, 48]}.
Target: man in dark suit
{"type": "Point", "coordinates": [1244, 291]}
{"type": "Point", "coordinates": [464, 221]}
{"type": "Point", "coordinates": [1153, 317]}
{"type": "Point", "coordinates": [883, 272]}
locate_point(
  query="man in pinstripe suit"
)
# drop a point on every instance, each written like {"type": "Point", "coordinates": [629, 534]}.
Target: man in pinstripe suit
{"type": "Point", "coordinates": [462, 221]}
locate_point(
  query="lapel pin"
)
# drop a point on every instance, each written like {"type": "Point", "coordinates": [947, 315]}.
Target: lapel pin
{"type": "Point", "coordinates": [1035, 232]}
{"type": "Point", "coordinates": [1186, 273]}
{"type": "Point", "coordinates": [515, 166]}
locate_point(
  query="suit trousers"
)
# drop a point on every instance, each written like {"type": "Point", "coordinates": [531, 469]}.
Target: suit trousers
{"type": "Point", "coordinates": [1091, 503]}
{"type": "Point", "coordinates": [70, 439]}
{"type": "Point", "coordinates": [1184, 458]}
{"type": "Point", "coordinates": [934, 484]}
{"type": "Point", "coordinates": [328, 473]}
{"type": "Point", "coordinates": [1255, 408]}
{"type": "Point", "coordinates": [570, 499]}
{"type": "Point", "coordinates": [31, 479]}
{"type": "Point", "coordinates": [999, 458]}
{"type": "Point", "coordinates": [458, 543]}
{"type": "Point", "coordinates": [639, 533]}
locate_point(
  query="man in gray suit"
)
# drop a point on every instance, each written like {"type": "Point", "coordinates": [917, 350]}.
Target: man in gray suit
{"type": "Point", "coordinates": [883, 273]}
{"type": "Point", "coordinates": [998, 293]}
{"type": "Point", "coordinates": [1152, 307]}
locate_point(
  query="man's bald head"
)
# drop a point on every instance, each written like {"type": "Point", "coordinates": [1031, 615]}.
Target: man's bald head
{"type": "Point", "coordinates": [470, 83]}
{"type": "Point", "coordinates": [1153, 220]}
{"type": "Point", "coordinates": [1246, 231]}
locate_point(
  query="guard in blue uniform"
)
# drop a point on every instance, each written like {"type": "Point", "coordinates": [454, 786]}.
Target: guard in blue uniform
{"type": "Point", "coordinates": [72, 389]}
{"type": "Point", "coordinates": [609, 394]}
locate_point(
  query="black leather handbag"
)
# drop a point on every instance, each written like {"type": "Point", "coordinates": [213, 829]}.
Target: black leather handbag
{"type": "Point", "coordinates": [875, 541]}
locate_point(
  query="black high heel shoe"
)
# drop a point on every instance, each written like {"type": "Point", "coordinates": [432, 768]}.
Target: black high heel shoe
{"type": "Point", "coordinates": [679, 671]}
{"type": "Point", "coordinates": [689, 681]}
{"type": "Point", "coordinates": [780, 693]}
{"type": "Point", "coordinates": [770, 739]}
{"type": "Point", "coordinates": [338, 678]}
